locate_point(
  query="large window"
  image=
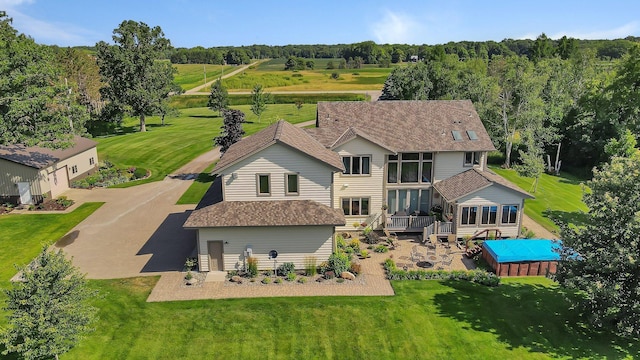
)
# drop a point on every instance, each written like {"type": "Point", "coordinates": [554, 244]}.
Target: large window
{"type": "Point", "coordinates": [264, 184]}
{"type": "Point", "coordinates": [291, 184]}
{"type": "Point", "coordinates": [408, 201]}
{"type": "Point", "coordinates": [355, 206]}
{"type": "Point", "coordinates": [357, 165]}
{"type": "Point", "coordinates": [410, 168]}
{"type": "Point", "coordinates": [469, 215]}
{"type": "Point", "coordinates": [509, 214]}
{"type": "Point", "coordinates": [471, 158]}
{"type": "Point", "coordinates": [489, 215]}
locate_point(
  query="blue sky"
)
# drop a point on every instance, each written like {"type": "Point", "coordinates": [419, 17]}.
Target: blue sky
{"type": "Point", "coordinates": [189, 23]}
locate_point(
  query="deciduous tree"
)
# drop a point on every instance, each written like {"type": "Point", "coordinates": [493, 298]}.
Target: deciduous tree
{"type": "Point", "coordinates": [136, 80]}
{"type": "Point", "coordinates": [218, 97]}
{"type": "Point", "coordinates": [600, 259]}
{"type": "Point", "coordinates": [407, 83]}
{"type": "Point", "coordinates": [231, 129]}
{"type": "Point", "coordinates": [259, 100]}
{"type": "Point", "coordinates": [48, 309]}
{"type": "Point", "coordinates": [35, 108]}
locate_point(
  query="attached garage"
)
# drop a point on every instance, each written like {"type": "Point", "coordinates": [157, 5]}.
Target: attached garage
{"type": "Point", "coordinates": [28, 174]}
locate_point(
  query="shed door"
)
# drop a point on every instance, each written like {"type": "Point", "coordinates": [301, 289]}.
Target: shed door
{"type": "Point", "coordinates": [25, 193]}
{"type": "Point", "coordinates": [59, 181]}
{"type": "Point", "coordinates": [215, 256]}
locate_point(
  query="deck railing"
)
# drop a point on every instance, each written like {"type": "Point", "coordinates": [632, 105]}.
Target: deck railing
{"type": "Point", "coordinates": [409, 222]}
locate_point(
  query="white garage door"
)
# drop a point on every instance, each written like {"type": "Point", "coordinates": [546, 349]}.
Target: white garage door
{"type": "Point", "coordinates": [59, 181]}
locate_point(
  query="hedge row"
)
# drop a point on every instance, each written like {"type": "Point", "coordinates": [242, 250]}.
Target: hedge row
{"type": "Point", "coordinates": [191, 101]}
{"type": "Point", "coordinates": [477, 276]}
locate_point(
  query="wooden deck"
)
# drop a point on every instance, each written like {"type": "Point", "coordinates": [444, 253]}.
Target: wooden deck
{"type": "Point", "coordinates": [409, 223]}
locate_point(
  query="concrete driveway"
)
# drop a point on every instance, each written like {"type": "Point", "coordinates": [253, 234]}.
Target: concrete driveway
{"type": "Point", "coordinates": [138, 231]}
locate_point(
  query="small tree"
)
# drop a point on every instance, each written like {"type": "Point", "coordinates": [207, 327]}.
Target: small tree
{"type": "Point", "coordinates": [299, 105]}
{"type": "Point", "coordinates": [259, 100]}
{"type": "Point", "coordinates": [231, 129]}
{"type": "Point", "coordinates": [218, 98]}
{"type": "Point", "coordinates": [49, 312]}
{"type": "Point", "coordinates": [600, 259]}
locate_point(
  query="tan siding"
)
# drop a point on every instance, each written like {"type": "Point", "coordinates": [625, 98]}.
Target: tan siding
{"type": "Point", "coordinates": [448, 164]}
{"type": "Point", "coordinates": [293, 244]}
{"type": "Point", "coordinates": [12, 173]}
{"type": "Point", "coordinates": [493, 195]}
{"type": "Point", "coordinates": [278, 160]}
{"type": "Point", "coordinates": [82, 162]}
{"type": "Point", "coordinates": [361, 186]}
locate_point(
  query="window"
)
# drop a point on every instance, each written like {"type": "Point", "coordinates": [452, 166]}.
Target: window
{"type": "Point", "coordinates": [291, 181]}
{"type": "Point", "coordinates": [509, 214]}
{"type": "Point", "coordinates": [410, 168]}
{"type": "Point", "coordinates": [74, 169]}
{"type": "Point", "coordinates": [357, 165]}
{"type": "Point", "coordinates": [355, 206]}
{"type": "Point", "coordinates": [469, 215]}
{"type": "Point", "coordinates": [472, 135]}
{"type": "Point", "coordinates": [456, 135]}
{"type": "Point", "coordinates": [408, 201]}
{"type": "Point", "coordinates": [264, 184]}
{"type": "Point", "coordinates": [91, 161]}
{"type": "Point", "coordinates": [489, 215]}
{"type": "Point", "coordinates": [471, 158]}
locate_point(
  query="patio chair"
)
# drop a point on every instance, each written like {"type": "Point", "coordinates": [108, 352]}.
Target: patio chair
{"type": "Point", "coordinates": [416, 255]}
{"type": "Point", "coordinates": [445, 263]}
{"type": "Point", "coordinates": [392, 238]}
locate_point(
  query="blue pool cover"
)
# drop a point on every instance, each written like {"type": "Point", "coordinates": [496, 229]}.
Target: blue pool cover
{"type": "Point", "coordinates": [504, 251]}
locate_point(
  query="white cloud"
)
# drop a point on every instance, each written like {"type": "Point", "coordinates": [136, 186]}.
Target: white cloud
{"type": "Point", "coordinates": [396, 28]}
{"type": "Point", "coordinates": [623, 31]}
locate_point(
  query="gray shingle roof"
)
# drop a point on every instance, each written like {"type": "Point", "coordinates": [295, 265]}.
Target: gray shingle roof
{"type": "Point", "coordinates": [284, 133]}
{"type": "Point", "coordinates": [265, 213]}
{"type": "Point", "coordinates": [471, 181]}
{"type": "Point", "coordinates": [39, 157]}
{"type": "Point", "coordinates": [406, 126]}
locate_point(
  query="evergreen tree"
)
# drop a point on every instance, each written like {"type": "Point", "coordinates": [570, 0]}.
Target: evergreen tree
{"type": "Point", "coordinates": [48, 310]}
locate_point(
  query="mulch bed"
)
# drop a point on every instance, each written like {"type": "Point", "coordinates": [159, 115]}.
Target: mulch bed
{"type": "Point", "coordinates": [50, 205]}
{"type": "Point", "coordinates": [5, 210]}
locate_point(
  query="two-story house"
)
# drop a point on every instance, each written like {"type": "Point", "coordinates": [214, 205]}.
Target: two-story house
{"type": "Point", "coordinates": [385, 163]}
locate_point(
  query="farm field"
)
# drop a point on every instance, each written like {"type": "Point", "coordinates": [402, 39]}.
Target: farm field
{"type": "Point", "coordinates": [557, 197]}
{"type": "Point", "coordinates": [273, 77]}
{"type": "Point", "coordinates": [192, 75]}
{"type": "Point", "coordinates": [164, 149]}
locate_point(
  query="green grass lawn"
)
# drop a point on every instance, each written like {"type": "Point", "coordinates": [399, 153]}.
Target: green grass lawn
{"type": "Point", "coordinates": [196, 191]}
{"type": "Point", "coordinates": [557, 197]}
{"type": "Point", "coordinates": [164, 149]}
{"type": "Point", "coordinates": [522, 319]}
{"type": "Point", "coordinates": [192, 75]}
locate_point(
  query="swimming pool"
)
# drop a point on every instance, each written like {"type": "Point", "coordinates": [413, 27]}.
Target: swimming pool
{"type": "Point", "coordinates": [522, 257]}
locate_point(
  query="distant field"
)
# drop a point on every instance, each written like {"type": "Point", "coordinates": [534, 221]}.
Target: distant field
{"type": "Point", "coordinates": [273, 77]}
{"type": "Point", "coordinates": [192, 75]}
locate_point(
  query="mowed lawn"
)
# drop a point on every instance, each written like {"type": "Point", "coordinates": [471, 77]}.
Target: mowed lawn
{"type": "Point", "coordinates": [557, 198]}
{"type": "Point", "coordinates": [164, 149]}
{"type": "Point", "coordinates": [192, 75]}
{"type": "Point", "coordinates": [272, 76]}
{"type": "Point", "coordinates": [524, 318]}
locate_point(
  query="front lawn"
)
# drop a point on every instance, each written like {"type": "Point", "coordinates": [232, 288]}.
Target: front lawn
{"type": "Point", "coordinates": [164, 149]}
{"type": "Point", "coordinates": [521, 319]}
{"type": "Point", "coordinates": [557, 197]}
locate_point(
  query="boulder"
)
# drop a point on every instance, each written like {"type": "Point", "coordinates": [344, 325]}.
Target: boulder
{"type": "Point", "coordinates": [347, 276]}
{"type": "Point", "coordinates": [236, 279]}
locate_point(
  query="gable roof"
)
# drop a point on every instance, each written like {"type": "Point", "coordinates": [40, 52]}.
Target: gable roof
{"type": "Point", "coordinates": [41, 158]}
{"type": "Point", "coordinates": [265, 213]}
{"type": "Point", "coordinates": [352, 133]}
{"type": "Point", "coordinates": [284, 133]}
{"type": "Point", "coordinates": [406, 126]}
{"type": "Point", "coordinates": [471, 181]}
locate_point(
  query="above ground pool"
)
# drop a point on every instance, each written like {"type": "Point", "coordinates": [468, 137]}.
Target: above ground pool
{"type": "Point", "coordinates": [522, 257]}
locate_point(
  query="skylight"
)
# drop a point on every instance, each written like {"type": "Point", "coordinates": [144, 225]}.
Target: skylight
{"type": "Point", "coordinates": [472, 135]}
{"type": "Point", "coordinates": [456, 135]}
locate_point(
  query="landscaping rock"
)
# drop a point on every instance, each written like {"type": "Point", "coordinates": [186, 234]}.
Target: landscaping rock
{"type": "Point", "coordinates": [347, 276]}
{"type": "Point", "coordinates": [192, 281]}
{"type": "Point", "coordinates": [236, 279]}
{"type": "Point", "coordinates": [329, 275]}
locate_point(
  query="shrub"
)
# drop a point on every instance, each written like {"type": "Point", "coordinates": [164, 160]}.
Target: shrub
{"type": "Point", "coordinates": [364, 254]}
{"type": "Point", "coordinates": [268, 272]}
{"type": "Point", "coordinates": [189, 276]}
{"type": "Point", "coordinates": [355, 244]}
{"type": "Point", "coordinates": [355, 268]}
{"type": "Point", "coordinates": [340, 243]}
{"type": "Point", "coordinates": [477, 276]}
{"type": "Point", "coordinates": [278, 280]}
{"type": "Point", "coordinates": [291, 276]}
{"type": "Point", "coordinates": [286, 268]}
{"type": "Point", "coordinates": [139, 173]}
{"type": "Point", "coordinates": [389, 264]}
{"type": "Point", "coordinates": [190, 263]}
{"type": "Point", "coordinates": [340, 280]}
{"type": "Point", "coordinates": [252, 266]}
{"type": "Point", "coordinates": [266, 280]}
{"type": "Point", "coordinates": [310, 267]}
{"type": "Point", "coordinates": [302, 280]}
{"type": "Point", "coordinates": [323, 268]}
{"type": "Point", "coordinates": [296, 75]}
{"type": "Point", "coordinates": [339, 262]}
{"type": "Point", "coordinates": [335, 75]}
{"type": "Point", "coordinates": [62, 200]}
{"type": "Point", "coordinates": [381, 249]}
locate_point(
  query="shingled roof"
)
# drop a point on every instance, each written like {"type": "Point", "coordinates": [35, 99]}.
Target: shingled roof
{"type": "Point", "coordinates": [471, 181]}
{"type": "Point", "coordinates": [265, 213]}
{"type": "Point", "coordinates": [283, 133]}
{"type": "Point", "coordinates": [41, 158]}
{"type": "Point", "coordinates": [406, 126]}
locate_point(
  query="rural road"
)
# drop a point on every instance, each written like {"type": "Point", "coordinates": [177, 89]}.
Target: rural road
{"type": "Point", "coordinates": [207, 86]}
